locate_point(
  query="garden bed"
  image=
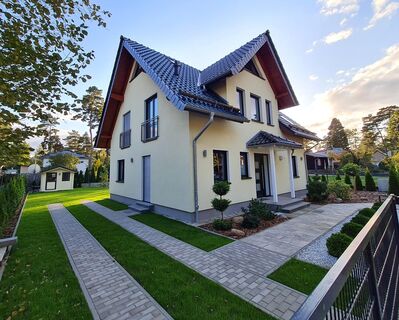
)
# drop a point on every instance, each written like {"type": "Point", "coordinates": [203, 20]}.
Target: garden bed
{"type": "Point", "coordinates": [8, 231]}
{"type": "Point", "coordinates": [367, 196]}
{"type": "Point", "coordinates": [264, 224]}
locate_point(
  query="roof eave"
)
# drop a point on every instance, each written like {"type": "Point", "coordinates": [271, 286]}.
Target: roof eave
{"type": "Point", "coordinates": [218, 114]}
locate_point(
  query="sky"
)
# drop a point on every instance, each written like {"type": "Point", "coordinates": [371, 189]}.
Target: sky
{"type": "Point", "coordinates": [341, 56]}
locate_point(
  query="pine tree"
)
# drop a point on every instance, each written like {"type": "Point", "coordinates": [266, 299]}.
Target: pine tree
{"type": "Point", "coordinates": [370, 184]}
{"type": "Point", "coordinates": [393, 181]}
{"type": "Point", "coordinates": [358, 183]}
{"type": "Point", "coordinates": [73, 141]}
{"type": "Point", "coordinates": [336, 136]}
{"type": "Point", "coordinates": [87, 176]}
{"type": "Point", "coordinates": [92, 175]}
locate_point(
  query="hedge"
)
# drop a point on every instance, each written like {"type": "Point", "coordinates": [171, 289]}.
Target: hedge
{"type": "Point", "coordinates": [11, 195]}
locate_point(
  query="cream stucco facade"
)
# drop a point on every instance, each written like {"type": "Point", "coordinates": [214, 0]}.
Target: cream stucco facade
{"type": "Point", "coordinates": [171, 154]}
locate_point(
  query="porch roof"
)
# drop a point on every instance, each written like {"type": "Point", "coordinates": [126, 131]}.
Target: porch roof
{"type": "Point", "coordinates": [265, 139]}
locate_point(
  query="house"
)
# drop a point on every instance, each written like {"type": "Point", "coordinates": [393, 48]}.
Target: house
{"type": "Point", "coordinates": [317, 161]}
{"type": "Point", "coordinates": [81, 166]}
{"type": "Point", "coordinates": [173, 130]}
{"type": "Point", "coordinates": [56, 179]}
{"type": "Point", "coordinates": [377, 157]}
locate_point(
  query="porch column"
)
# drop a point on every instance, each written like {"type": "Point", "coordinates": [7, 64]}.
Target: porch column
{"type": "Point", "coordinates": [273, 175]}
{"type": "Point", "coordinates": [291, 173]}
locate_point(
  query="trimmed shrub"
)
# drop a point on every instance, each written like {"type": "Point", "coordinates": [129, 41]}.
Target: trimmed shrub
{"type": "Point", "coordinates": [250, 221]}
{"type": "Point", "coordinates": [220, 224]}
{"type": "Point", "coordinates": [358, 183]}
{"type": "Point", "coordinates": [221, 188]}
{"type": "Point", "coordinates": [323, 178]}
{"type": "Point", "coordinates": [351, 229]}
{"type": "Point", "coordinates": [359, 219]}
{"type": "Point", "coordinates": [339, 188]}
{"type": "Point", "coordinates": [376, 205]}
{"type": "Point", "coordinates": [351, 169]}
{"type": "Point", "coordinates": [259, 209]}
{"type": "Point", "coordinates": [367, 212]}
{"type": "Point", "coordinates": [338, 177]}
{"type": "Point", "coordinates": [393, 181]}
{"type": "Point", "coordinates": [369, 182]}
{"type": "Point", "coordinates": [316, 177]}
{"type": "Point", "coordinates": [317, 191]}
{"type": "Point", "coordinates": [348, 180]}
{"type": "Point", "coordinates": [337, 244]}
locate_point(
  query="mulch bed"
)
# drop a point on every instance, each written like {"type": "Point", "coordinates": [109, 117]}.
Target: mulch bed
{"type": "Point", "coordinates": [263, 225]}
{"type": "Point", "coordinates": [12, 223]}
{"type": "Point", "coordinates": [367, 196]}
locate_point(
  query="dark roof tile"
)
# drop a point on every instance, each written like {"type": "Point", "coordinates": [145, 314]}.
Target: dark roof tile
{"type": "Point", "coordinates": [263, 138]}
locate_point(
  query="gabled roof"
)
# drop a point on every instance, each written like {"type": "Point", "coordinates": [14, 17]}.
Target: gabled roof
{"type": "Point", "coordinates": [264, 139]}
{"type": "Point", "coordinates": [57, 167]}
{"type": "Point", "coordinates": [185, 89]}
{"type": "Point", "coordinates": [295, 128]}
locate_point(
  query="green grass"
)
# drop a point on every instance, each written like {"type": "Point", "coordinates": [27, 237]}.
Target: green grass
{"type": "Point", "coordinates": [194, 236]}
{"type": "Point", "coordinates": [299, 275]}
{"type": "Point", "coordinates": [332, 177]}
{"type": "Point", "coordinates": [38, 282]}
{"type": "Point", "coordinates": [183, 293]}
{"type": "Point", "coordinates": [112, 204]}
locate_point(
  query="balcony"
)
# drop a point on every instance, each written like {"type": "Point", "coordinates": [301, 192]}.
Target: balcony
{"type": "Point", "coordinates": [125, 139]}
{"type": "Point", "coordinates": [149, 129]}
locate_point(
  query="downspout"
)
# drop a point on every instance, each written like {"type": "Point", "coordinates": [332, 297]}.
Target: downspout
{"type": "Point", "coordinates": [196, 205]}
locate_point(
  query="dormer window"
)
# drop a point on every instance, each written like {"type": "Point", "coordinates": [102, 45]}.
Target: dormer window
{"type": "Point", "coordinates": [240, 99]}
{"type": "Point", "coordinates": [251, 67]}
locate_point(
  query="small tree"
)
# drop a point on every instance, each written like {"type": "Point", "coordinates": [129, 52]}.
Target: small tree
{"type": "Point", "coordinates": [87, 176]}
{"type": "Point", "coordinates": [351, 169]}
{"type": "Point", "coordinates": [393, 181]}
{"type": "Point", "coordinates": [348, 180]}
{"type": "Point", "coordinates": [323, 178]}
{"type": "Point", "coordinates": [64, 160]}
{"type": "Point", "coordinates": [369, 181]}
{"type": "Point", "coordinates": [221, 188]}
{"type": "Point", "coordinates": [337, 177]}
{"type": "Point", "coordinates": [358, 183]}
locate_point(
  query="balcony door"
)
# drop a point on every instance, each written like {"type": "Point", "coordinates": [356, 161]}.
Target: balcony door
{"type": "Point", "coordinates": [147, 178]}
{"type": "Point", "coordinates": [151, 116]}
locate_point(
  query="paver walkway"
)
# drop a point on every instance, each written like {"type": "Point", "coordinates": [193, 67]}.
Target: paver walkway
{"type": "Point", "coordinates": [250, 285]}
{"type": "Point", "coordinates": [109, 290]}
{"type": "Point", "coordinates": [291, 236]}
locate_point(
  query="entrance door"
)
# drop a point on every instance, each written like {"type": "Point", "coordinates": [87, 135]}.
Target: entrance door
{"type": "Point", "coordinates": [260, 175]}
{"type": "Point", "coordinates": [146, 179]}
{"type": "Point", "coordinates": [51, 180]}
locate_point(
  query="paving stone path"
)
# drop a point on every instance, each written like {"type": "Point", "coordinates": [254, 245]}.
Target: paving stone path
{"type": "Point", "coordinates": [248, 283]}
{"type": "Point", "coordinates": [291, 236]}
{"type": "Point", "coordinates": [109, 290]}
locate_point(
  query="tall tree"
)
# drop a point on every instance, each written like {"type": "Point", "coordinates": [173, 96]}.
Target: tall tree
{"type": "Point", "coordinates": [64, 160]}
{"type": "Point", "coordinates": [73, 141]}
{"type": "Point", "coordinates": [51, 141]}
{"type": "Point", "coordinates": [14, 151]}
{"type": "Point", "coordinates": [89, 110]}
{"type": "Point", "coordinates": [42, 57]}
{"type": "Point", "coordinates": [336, 137]}
{"type": "Point", "coordinates": [393, 132]}
{"type": "Point", "coordinates": [354, 138]}
{"type": "Point", "coordinates": [85, 145]}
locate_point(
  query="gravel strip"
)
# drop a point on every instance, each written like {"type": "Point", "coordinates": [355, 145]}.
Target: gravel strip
{"type": "Point", "coordinates": [317, 253]}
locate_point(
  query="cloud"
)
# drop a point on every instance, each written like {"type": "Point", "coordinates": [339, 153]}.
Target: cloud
{"type": "Point", "coordinates": [371, 87]}
{"type": "Point", "coordinates": [339, 72]}
{"type": "Point", "coordinates": [332, 7]}
{"type": "Point", "coordinates": [343, 22]}
{"type": "Point", "coordinates": [337, 36]}
{"type": "Point", "coordinates": [313, 77]}
{"type": "Point", "coordinates": [382, 9]}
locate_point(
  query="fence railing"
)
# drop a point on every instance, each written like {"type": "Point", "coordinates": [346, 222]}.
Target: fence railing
{"type": "Point", "coordinates": [364, 283]}
{"type": "Point", "coordinates": [125, 139]}
{"type": "Point", "coordinates": [150, 129]}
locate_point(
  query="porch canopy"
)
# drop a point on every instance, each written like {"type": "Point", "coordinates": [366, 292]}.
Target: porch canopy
{"type": "Point", "coordinates": [272, 142]}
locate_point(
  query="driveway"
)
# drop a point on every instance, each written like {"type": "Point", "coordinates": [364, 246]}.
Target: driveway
{"type": "Point", "coordinates": [291, 236]}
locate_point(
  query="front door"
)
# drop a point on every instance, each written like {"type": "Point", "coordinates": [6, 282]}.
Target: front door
{"type": "Point", "coordinates": [51, 180]}
{"type": "Point", "coordinates": [260, 176]}
{"type": "Point", "coordinates": [146, 179]}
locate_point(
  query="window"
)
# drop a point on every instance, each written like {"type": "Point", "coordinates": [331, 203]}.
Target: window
{"type": "Point", "coordinates": [124, 139]}
{"type": "Point", "coordinates": [250, 66]}
{"type": "Point", "coordinates": [121, 171]}
{"type": "Point", "coordinates": [240, 100]}
{"type": "Point", "coordinates": [66, 176]}
{"type": "Point", "coordinates": [244, 164]}
{"type": "Point", "coordinates": [219, 165]}
{"type": "Point", "coordinates": [149, 128]}
{"type": "Point", "coordinates": [294, 167]}
{"type": "Point", "coordinates": [269, 113]}
{"type": "Point", "coordinates": [255, 108]}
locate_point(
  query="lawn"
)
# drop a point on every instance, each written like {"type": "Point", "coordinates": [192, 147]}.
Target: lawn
{"type": "Point", "coordinates": [362, 178]}
{"type": "Point", "coordinates": [112, 204]}
{"type": "Point", "coordinates": [184, 293]}
{"type": "Point", "coordinates": [299, 275]}
{"type": "Point", "coordinates": [194, 236]}
{"type": "Point", "coordinates": [38, 282]}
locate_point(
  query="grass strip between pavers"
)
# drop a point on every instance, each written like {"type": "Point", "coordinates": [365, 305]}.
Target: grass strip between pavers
{"type": "Point", "coordinates": [179, 230]}
{"type": "Point", "coordinates": [299, 275]}
{"type": "Point", "coordinates": [112, 204]}
{"type": "Point", "coordinates": [182, 292]}
{"type": "Point", "coordinates": [38, 281]}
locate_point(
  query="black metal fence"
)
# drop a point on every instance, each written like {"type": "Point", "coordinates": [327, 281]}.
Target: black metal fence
{"type": "Point", "coordinates": [364, 283]}
{"type": "Point", "coordinates": [149, 129]}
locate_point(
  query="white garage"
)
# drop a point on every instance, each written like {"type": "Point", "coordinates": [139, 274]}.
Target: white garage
{"type": "Point", "coordinates": [57, 178]}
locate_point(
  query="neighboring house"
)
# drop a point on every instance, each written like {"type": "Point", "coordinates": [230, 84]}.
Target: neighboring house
{"type": "Point", "coordinates": [377, 157]}
{"type": "Point", "coordinates": [16, 170]}
{"type": "Point", "coordinates": [81, 166]}
{"type": "Point", "coordinates": [317, 161]}
{"type": "Point", "coordinates": [56, 179]}
{"type": "Point", "coordinates": [173, 130]}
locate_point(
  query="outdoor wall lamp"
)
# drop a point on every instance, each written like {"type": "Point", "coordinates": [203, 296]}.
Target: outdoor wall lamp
{"type": "Point", "coordinates": [131, 160]}
{"type": "Point", "coordinates": [204, 153]}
